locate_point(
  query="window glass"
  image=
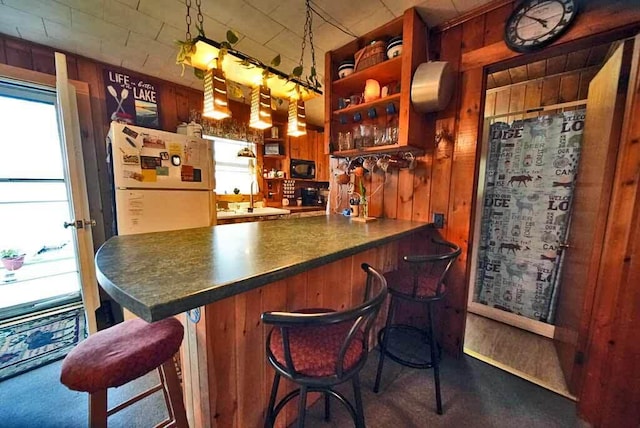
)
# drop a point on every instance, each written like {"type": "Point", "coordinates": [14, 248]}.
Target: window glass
{"type": "Point", "coordinates": [232, 171]}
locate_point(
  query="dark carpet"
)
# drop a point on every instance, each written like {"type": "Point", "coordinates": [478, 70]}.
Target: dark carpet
{"type": "Point", "coordinates": [474, 393]}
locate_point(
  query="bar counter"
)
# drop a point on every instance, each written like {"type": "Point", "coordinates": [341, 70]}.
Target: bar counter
{"type": "Point", "coordinates": [227, 276]}
{"type": "Point", "coordinates": [156, 275]}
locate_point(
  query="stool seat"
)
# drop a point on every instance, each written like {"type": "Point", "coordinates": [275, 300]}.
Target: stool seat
{"type": "Point", "coordinates": [315, 350]}
{"type": "Point", "coordinates": [401, 282]}
{"type": "Point", "coordinates": [120, 354]}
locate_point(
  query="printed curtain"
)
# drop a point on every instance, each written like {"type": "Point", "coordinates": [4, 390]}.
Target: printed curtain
{"type": "Point", "coordinates": [531, 166]}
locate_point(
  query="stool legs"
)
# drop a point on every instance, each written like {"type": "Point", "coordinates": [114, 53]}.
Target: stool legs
{"type": "Point", "coordinates": [383, 345]}
{"type": "Point", "coordinates": [302, 406]}
{"type": "Point", "coordinates": [435, 359]}
{"type": "Point", "coordinates": [268, 422]}
{"type": "Point", "coordinates": [98, 409]}
{"type": "Point", "coordinates": [358, 398]}
{"type": "Point", "coordinates": [327, 407]}
{"type": "Point", "coordinates": [174, 390]}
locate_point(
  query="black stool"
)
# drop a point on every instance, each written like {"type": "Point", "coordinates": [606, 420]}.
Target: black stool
{"type": "Point", "coordinates": [320, 348]}
{"type": "Point", "coordinates": [420, 279]}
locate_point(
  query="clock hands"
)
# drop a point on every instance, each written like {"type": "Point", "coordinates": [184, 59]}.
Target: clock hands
{"type": "Point", "coordinates": [542, 22]}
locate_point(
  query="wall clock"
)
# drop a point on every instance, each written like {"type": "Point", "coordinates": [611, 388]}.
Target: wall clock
{"type": "Point", "coordinates": [534, 24]}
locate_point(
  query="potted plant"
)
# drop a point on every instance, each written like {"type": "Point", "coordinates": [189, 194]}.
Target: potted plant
{"type": "Point", "coordinates": [12, 259]}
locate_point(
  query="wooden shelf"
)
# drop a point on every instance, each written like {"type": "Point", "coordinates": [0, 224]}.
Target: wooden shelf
{"type": "Point", "coordinates": [387, 149]}
{"type": "Point", "coordinates": [384, 72]}
{"type": "Point", "coordinates": [366, 106]}
{"type": "Point", "coordinates": [273, 139]}
{"type": "Point", "coordinates": [274, 156]}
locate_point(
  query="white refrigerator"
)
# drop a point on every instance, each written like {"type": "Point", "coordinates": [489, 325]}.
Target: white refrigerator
{"type": "Point", "coordinates": [162, 181]}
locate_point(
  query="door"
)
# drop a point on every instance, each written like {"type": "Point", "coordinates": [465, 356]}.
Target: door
{"type": "Point", "coordinates": [605, 110]}
{"type": "Point", "coordinates": [73, 162]}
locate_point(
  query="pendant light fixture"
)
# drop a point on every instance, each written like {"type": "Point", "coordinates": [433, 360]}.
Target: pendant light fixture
{"type": "Point", "coordinates": [260, 107]}
{"type": "Point", "coordinates": [216, 103]}
{"type": "Point", "coordinates": [297, 125]}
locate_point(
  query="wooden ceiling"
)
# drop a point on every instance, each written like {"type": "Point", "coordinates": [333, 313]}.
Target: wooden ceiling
{"type": "Point", "coordinates": [560, 64]}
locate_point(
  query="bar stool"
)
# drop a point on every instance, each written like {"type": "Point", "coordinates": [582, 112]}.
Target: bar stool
{"type": "Point", "coordinates": [120, 354]}
{"type": "Point", "coordinates": [321, 348]}
{"type": "Point", "coordinates": [420, 279]}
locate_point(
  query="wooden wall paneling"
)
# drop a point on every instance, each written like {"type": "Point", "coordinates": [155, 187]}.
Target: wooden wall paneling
{"type": "Point", "coordinates": [502, 78]}
{"type": "Point", "coordinates": [88, 72]}
{"type": "Point", "coordinates": [43, 61]}
{"type": "Point", "coordinates": [405, 194]}
{"type": "Point", "coordinates": [516, 101]}
{"type": "Point", "coordinates": [494, 24]}
{"type": "Point", "coordinates": [585, 79]}
{"type": "Point", "coordinates": [537, 69]}
{"type": "Point", "coordinates": [532, 97]}
{"type": "Point", "coordinates": [357, 275]}
{"type": "Point", "coordinates": [490, 104]}
{"type": "Point", "coordinates": [376, 193]}
{"type": "Point", "coordinates": [577, 59]}
{"type": "Point", "coordinates": [182, 105]}
{"type": "Point", "coordinates": [491, 82]}
{"type": "Point", "coordinates": [251, 358]}
{"type": "Point", "coordinates": [18, 53]}
{"type": "Point", "coordinates": [196, 101]}
{"type": "Point", "coordinates": [276, 297]}
{"type": "Point", "coordinates": [550, 91]}
{"type": "Point", "coordinates": [595, 18]}
{"type": "Point", "coordinates": [441, 169]}
{"type": "Point", "coordinates": [72, 67]}
{"type": "Point", "coordinates": [225, 357]}
{"type": "Point", "coordinates": [391, 194]}
{"type": "Point", "coordinates": [569, 88]}
{"type": "Point", "coordinates": [503, 99]}
{"type": "Point", "coordinates": [463, 179]}
{"type": "Point", "coordinates": [556, 64]}
{"type": "Point", "coordinates": [473, 33]}
{"type": "Point", "coordinates": [450, 50]}
{"type": "Point", "coordinates": [422, 187]}
{"type": "Point", "coordinates": [612, 366]}
{"type": "Point", "coordinates": [168, 108]}
{"type": "Point", "coordinates": [518, 74]}
{"type": "Point", "coordinates": [332, 277]}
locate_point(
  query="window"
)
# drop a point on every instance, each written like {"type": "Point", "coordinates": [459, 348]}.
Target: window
{"type": "Point", "coordinates": [232, 171]}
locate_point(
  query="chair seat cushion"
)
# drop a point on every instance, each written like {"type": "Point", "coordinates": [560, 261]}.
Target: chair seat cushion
{"type": "Point", "coordinates": [401, 282]}
{"type": "Point", "coordinates": [315, 349]}
{"type": "Point", "coordinates": [120, 354]}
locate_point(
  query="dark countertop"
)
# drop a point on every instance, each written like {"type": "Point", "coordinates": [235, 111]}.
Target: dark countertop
{"type": "Point", "coordinates": [156, 275]}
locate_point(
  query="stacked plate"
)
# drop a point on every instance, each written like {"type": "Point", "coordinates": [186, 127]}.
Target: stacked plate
{"type": "Point", "coordinates": [394, 47]}
{"type": "Point", "coordinates": [346, 68]}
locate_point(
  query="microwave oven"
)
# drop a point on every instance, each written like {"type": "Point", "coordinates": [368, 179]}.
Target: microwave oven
{"type": "Point", "coordinates": [303, 169]}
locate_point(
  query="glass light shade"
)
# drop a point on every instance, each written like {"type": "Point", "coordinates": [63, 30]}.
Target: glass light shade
{"type": "Point", "coordinates": [215, 95]}
{"type": "Point", "coordinates": [260, 108]}
{"type": "Point", "coordinates": [371, 90]}
{"type": "Point", "coordinates": [297, 119]}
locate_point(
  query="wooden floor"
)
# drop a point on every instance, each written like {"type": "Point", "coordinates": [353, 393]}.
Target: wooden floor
{"type": "Point", "coordinates": [517, 351]}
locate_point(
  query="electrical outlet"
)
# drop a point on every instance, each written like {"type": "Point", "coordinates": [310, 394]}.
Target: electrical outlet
{"type": "Point", "coordinates": [438, 220]}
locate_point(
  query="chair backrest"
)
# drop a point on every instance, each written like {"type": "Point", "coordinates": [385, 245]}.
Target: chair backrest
{"type": "Point", "coordinates": [361, 319]}
{"type": "Point", "coordinates": [433, 267]}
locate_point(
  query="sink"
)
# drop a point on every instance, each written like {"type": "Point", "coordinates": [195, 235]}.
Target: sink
{"type": "Point", "coordinates": [256, 212]}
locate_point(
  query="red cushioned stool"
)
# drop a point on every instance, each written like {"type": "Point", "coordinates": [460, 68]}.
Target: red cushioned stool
{"type": "Point", "coordinates": [120, 354]}
{"type": "Point", "coordinates": [321, 348]}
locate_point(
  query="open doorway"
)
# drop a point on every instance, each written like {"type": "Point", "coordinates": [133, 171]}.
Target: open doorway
{"type": "Point", "coordinates": [528, 189]}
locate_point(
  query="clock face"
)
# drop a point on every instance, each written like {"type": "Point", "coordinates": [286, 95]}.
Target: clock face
{"type": "Point", "coordinates": [536, 23]}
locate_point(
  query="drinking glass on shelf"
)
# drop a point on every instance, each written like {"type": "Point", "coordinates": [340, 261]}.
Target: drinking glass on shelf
{"type": "Point", "coordinates": [357, 137]}
{"type": "Point", "coordinates": [378, 136]}
{"type": "Point", "coordinates": [366, 131]}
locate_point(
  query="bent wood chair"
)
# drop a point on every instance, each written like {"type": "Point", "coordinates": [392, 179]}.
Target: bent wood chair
{"type": "Point", "coordinates": [321, 348]}
{"type": "Point", "coordinates": [420, 278]}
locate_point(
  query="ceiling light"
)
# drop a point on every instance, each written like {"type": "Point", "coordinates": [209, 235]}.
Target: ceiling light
{"type": "Point", "coordinates": [297, 121]}
{"type": "Point", "coordinates": [216, 104]}
{"type": "Point", "coordinates": [260, 108]}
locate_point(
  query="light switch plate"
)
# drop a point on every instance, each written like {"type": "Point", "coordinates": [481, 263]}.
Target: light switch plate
{"type": "Point", "coordinates": [438, 220]}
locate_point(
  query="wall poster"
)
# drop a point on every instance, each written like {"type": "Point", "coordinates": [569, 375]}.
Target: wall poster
{"type": "Point", "coordinates": [131, 100]}
{"type": "Point", "coordinates": [531, 166]}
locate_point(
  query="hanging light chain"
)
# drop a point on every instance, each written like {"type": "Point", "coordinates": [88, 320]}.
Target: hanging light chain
{"type": "Point", "coordinates": [188, 20]}
{"type": "Point", "coordinates": [200, 18]}
{"type": "Point", "coordinates": [308, 34]}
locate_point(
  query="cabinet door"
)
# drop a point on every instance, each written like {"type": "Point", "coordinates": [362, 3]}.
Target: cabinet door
{"type": "Point", "coordinates": [322, 159]}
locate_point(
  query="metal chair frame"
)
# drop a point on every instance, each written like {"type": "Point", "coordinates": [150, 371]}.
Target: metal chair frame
{"type": "Point", "coordinates": [417, 265]}
{"type": "Point", "coordinates": [363, 317]}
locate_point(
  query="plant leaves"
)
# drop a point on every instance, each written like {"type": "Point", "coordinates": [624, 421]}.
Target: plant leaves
{"type": "Point", "coordinates": [198, 73]}
{"type": "Point", "coordinates": [232, 37]}
{"type": "Point", "coordinates": [313, 71]}
{"type": "Point", "coordinates": [276, 60]}
{"type": "Point", "coordinates": [297, 72]}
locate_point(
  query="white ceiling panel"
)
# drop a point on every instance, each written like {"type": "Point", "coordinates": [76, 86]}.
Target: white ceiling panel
{"type": "Point", "coordinates": [141, 34]}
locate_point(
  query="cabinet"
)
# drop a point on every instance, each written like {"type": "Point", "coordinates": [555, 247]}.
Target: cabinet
{"type": "Point", "coordinates": [389, 122]}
